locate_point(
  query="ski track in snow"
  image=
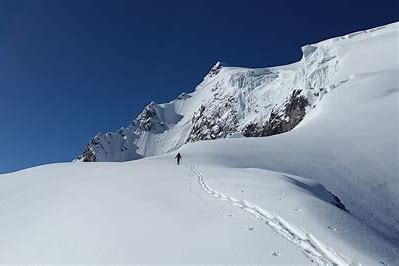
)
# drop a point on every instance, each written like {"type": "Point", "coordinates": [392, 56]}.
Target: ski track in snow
{"type": "Point", "coordinates": [313, 249]}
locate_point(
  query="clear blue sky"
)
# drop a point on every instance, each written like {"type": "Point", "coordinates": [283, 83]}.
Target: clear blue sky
{"type": "Point", "coordinates": [69, 69]}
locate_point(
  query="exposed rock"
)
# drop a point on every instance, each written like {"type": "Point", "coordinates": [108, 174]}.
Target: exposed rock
{"type": "Point", "coordinates": [87, 155]}
{"type": "Point", "coordinates": [214, 123]}
{"type": "Point", "coordinates": [279, 122]}
{"type": "Point", "coordinates": [149, 120]}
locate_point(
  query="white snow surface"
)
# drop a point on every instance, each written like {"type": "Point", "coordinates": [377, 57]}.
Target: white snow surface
{"type": "Point", "coordinates": [239, 200]}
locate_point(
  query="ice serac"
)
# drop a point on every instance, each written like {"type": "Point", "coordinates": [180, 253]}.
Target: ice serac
{"type": "Point", "coordinates": [235, 101]}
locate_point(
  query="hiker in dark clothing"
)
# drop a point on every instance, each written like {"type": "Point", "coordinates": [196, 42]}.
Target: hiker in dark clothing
{"type": "Point", "coordinates": [178, 158]}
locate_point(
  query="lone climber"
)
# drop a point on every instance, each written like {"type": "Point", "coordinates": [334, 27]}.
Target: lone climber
{"type": "Point", "coordinates": [178, 158]}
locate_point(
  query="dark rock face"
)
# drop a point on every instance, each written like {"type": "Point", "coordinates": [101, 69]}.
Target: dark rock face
{"type": "Point", "coordinates": [216, 123]}
{"type": "Point", "coordinates": [88, 154]}
{"type": "Point", "coordinates": [293, 112]}
{"type": "Point", "coordinates": [149, 120]}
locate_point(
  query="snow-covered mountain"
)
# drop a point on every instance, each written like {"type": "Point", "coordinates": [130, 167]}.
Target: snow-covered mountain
{"type": "Point", "coordinates": [324, 193]}
{"type": "Point", "coordinates": [230, 101]}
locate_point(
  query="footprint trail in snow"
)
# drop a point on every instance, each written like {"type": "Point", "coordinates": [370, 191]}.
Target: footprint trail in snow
{"type": "Point", "coordinates": [313, 249]}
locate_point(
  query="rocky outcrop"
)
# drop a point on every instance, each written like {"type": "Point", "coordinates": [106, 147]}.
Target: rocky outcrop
{"type": "Point", "coordinates": [88, 154]}
{"type": "Point", "coordinates": [279, 122]}
{"type": "Point", "coordinates": [214, 123]}
{"type": "Point", "coordinates": [149, 120]}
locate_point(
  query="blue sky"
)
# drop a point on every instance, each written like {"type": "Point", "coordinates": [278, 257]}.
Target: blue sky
{"type": "Point", "coordinates": [69, 69]}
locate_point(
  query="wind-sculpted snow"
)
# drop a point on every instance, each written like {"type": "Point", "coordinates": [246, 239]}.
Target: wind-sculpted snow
{"type": "Point", "coordinates": [313, 248]}
{"type": "Point", "coordinates": [349, 142]}
{"type": "Point", "coordinates": [247, 102]}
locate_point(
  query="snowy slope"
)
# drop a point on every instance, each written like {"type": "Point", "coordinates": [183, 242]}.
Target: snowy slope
{"type": "Point", "coordinates": [324, 192]}
{"type": "Point", "coordinates": [349, 143]}
{"type": "Point", "coordinates": [152, 211]}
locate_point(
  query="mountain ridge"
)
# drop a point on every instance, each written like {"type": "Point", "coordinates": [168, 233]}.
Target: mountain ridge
{"type": "Point", "coordinates": [231, 101]}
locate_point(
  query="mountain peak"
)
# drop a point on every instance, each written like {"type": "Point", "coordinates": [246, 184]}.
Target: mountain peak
{"type": "Point", "coordinates": [216, 69]}
{"type": "Point", "coordinates": [218, 64]}
{"type": "Point", "coordinates": [242, 101]}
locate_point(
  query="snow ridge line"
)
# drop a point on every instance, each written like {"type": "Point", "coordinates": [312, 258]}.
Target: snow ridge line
{"type": "Point", "coordinates": [313, 249]}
